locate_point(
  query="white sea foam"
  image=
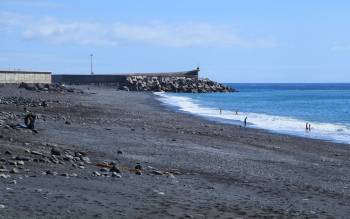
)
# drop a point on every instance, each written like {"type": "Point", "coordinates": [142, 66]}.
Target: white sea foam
{"type": "Point", "coordinates": [281, 124]}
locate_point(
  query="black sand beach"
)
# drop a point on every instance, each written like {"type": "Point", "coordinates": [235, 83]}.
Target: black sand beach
{"type": "Point", "coordinates": [190, 168]}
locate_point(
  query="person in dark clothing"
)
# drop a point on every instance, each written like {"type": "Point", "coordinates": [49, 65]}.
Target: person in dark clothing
{"type": "Point", "coordinates": [245, 121]}
{"type": "Point", "coordinates": [308, 126]}
{"type": "Point", "coordinates": [29, 121]}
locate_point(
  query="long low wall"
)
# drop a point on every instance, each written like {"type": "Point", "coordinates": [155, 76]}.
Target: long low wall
{"type": "Point", "coordinates": [88, 79]}
{"type": "Point", "coordinates": [16, 77]}
{"type": "Point", "coordinates": [117, 78]}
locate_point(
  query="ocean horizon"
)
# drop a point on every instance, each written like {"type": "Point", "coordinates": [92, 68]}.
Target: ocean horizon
{"type": "Point", "coordinates": [278, 107]}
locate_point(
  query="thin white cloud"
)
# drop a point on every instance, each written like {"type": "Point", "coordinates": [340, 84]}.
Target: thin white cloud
{"type": "Point", "coordinates": [9, 20]}
{"type": "Point", "coordinates": [117, 33]}
{"type": "Point", "coordinates": [341, 47]}
{"type": "Point", "coordinates": [33, 3]}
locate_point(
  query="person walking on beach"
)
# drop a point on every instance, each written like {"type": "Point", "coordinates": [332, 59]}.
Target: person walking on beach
{"type": "Point", "coordinates": [309, 127]}
{"type": "Point", "coordinates": [245, 121]}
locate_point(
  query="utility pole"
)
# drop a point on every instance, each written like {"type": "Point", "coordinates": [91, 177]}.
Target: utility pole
{"type": "Point", "coordinates": [91, 72]}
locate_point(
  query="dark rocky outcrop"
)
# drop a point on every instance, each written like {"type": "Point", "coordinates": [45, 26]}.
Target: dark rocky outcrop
{"type": "Point", "coordinates": [173, 84]}
{"type": "Point", "coordinates": [55, 87]}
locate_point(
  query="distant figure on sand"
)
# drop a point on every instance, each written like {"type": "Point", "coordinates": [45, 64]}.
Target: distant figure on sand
{"type": "Point", "coordinates": [245, 121]}
{"type": "Point", "coordinates": [309, 127]}
{"type": "Point", "coordinates": [29, 121]}
{"type": "Point", "coordinates": [236, 112]}
{"type": "Point", "coordinates": [220, 111]}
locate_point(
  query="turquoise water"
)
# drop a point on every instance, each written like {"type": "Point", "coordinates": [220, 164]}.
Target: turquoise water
{"type": "Point", "coordinates": [283, 108]}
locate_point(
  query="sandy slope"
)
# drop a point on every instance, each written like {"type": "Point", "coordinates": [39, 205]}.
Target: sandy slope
{"type": "Point", "coordinates": [191, 167]}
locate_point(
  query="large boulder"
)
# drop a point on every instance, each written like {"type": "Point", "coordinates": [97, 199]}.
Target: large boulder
{"type": "Point", "coordinates": [27, 86]}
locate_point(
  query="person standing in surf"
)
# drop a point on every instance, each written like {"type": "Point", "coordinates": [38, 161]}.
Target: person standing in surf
{"type": "Point", "coordinates": [308, 127]}
{"type": "Point", "coordinates": [245, 121]}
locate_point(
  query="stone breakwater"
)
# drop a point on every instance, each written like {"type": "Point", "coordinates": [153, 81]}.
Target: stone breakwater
{"type": "Point", "coordinates": [181, 81]}
{"type": "Point", "coordinates": [173, 84]}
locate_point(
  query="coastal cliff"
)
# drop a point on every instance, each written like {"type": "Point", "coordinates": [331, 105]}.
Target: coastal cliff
{"type": "Point", "coordinates": [173, 84]}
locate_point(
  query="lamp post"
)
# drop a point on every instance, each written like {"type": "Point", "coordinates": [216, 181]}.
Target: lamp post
{"type": "Point", "coordinates": [91, 72]}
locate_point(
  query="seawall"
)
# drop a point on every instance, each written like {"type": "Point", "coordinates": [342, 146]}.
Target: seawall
{"type": "Point", "coordinates": [118, 78]}
{"type": "Point", "coordinates": [186, 81]}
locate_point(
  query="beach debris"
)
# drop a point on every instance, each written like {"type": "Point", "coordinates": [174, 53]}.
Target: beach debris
{"type": "Point", "coordinates": [68, 157]}
{"type": "Point", "coordinates": [36, 153]}
{"type": "Point", "coordinates": [138, 166]}
{"type": "Point", "coordinates": [138, 172]}
{"type": "Point", "coordinates": [49, 172]}
{"type": "Point", "coordinates": [158, 192]}
{"type": "Point", "coordinates": [85, 159]}
{"type": "Point", "coordinates": [124, 88]}
{"type": "Point", "coordinates": [56, 152]}
{"type": "Point", "coordinates": [54, 159]}
{"type": "Point", "coordinates": [4, 176]}
{"type": "Point", "coordinates": [115, 174]}
{"type": "Point", "coordinates": [104, 169]}
{"type": "Point", "coordinates": [157, 172]}
{"type": "Point", "coordinates": [170, 175]}
{"type": "Point", "coordinates": [115, 169]}
{"type": "Point", "coordinates": [338, 155]}
{"type": "Point", "coordinates": [14, 171]}
{"type": "Point", "coordinates": [95, 173]}
{"type": "Point", "coordinates": [2, 167]}
{"type": "Point", "coordinates": [38, 190]}
{"type": "Point", "coordinates": [20, 158]}
{"type": "Point", "coordinates": [13, 163]}
{"type": "Point", "coordinates": [104, 165]}
{"type": "Point", "coordinates": [20, 162]}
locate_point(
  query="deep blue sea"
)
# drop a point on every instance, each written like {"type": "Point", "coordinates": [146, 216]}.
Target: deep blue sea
{"type": "Point", "coordinates": [282, 108]}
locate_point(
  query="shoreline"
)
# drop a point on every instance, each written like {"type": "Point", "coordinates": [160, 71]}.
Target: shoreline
{"type": "Point", "coordinates": [301, 134]}
{"type": "Point", "coordinates": [191, 167]}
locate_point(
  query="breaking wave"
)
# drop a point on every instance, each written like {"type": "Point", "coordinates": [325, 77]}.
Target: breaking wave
{"type": "Point", "coordinates": [279, 124]}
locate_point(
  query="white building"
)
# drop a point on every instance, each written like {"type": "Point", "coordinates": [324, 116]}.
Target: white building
{"type": "Point", "coordinates": [16, 77]}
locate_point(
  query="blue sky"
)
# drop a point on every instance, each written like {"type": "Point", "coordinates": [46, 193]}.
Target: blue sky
{"type": "Point", "coordinates": [231, 40]}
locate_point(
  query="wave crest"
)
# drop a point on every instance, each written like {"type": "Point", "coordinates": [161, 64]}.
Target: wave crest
{"type": "Point", "coordinates": [280, 124]}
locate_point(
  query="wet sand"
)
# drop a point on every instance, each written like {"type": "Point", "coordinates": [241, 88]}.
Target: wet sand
{"type": "Point", "coordinates": [191, 168]}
